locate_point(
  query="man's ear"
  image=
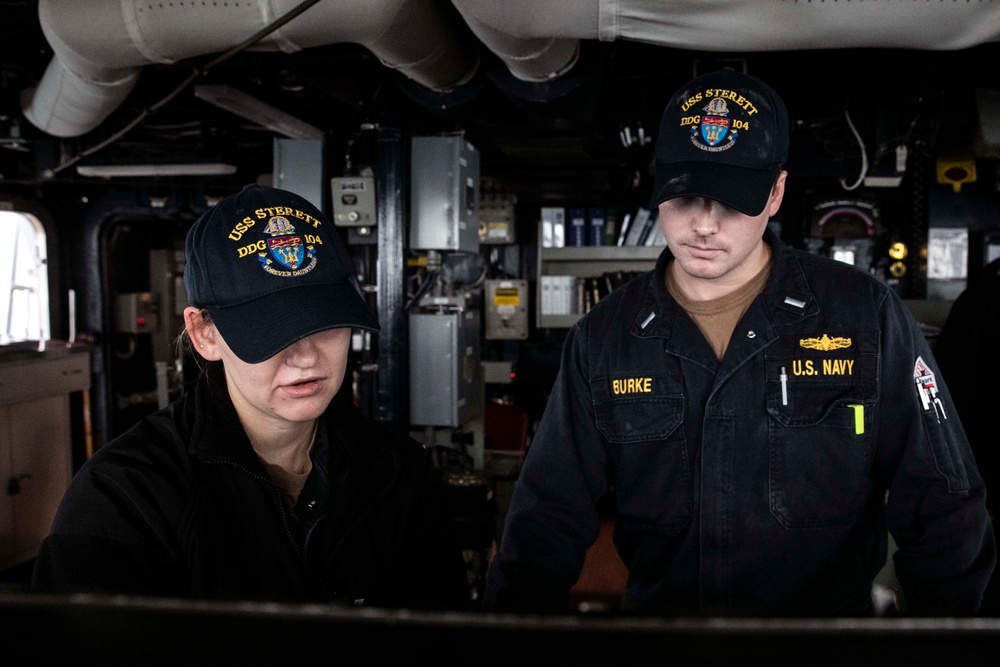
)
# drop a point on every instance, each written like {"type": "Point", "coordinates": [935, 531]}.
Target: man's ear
{"type": "Point", "coordinates": [202, 333]}
{"type": "Point", "coordinates": [777, 193]}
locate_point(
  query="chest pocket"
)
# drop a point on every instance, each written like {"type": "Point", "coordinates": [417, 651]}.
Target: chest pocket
{"type": "Point", "coordinates": [641, 419]}
{"type": "Point", "coordinates": [821, 405]}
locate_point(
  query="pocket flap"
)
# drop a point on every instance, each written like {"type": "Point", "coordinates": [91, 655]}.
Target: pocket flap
{"type": "Point", "coordinates": [636, 409]}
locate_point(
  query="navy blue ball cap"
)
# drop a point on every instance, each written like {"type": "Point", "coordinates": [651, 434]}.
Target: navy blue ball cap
{"type": "Point", "coordinates": [270, 269]}
{"type": "Point", "coordinates": [724, 136]}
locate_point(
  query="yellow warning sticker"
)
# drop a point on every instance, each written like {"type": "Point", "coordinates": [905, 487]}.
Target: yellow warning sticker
{"type": "Point", "coordinates": [507, 296]}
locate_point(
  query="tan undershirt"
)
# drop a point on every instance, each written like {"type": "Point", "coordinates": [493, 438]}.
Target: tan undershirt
{"type": "Point", "coordinates": [290, 484]}
{"type": "Point", "coordinates": [717, 318]}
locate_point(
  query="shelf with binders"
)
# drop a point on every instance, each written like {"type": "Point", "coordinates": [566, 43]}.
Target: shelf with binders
{"type": "Point", "coordinates": [572, 279]}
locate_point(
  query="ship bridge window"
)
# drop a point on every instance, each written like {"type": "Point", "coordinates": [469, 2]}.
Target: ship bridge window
{"type": "Point", "coordinates": [24, 285]}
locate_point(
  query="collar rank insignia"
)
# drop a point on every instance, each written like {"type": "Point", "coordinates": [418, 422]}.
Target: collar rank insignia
{"type": "Point", "coordinates": [824, 343]}
{"type": "Point", "coordinates": [286, 248]}
{"type": "Point", "coordinates": [714, 127]}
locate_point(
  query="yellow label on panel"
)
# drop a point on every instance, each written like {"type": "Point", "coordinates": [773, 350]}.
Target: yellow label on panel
{"type": "Point", "coordinates": [507, 296]}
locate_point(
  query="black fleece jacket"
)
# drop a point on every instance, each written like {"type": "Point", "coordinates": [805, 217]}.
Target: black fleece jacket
{"type": "Point", "coordinates": [181, 506]}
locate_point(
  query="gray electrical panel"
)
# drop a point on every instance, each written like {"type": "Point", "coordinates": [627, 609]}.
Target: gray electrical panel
{"type": "Point", "coordinates": [137, 312]}
{"type": "Point", "coordinates": [444, 194]}
{"type": "Point", "coordinates": [506, 309]}
{"type": "Point", "coordinates": [446, 384]}
{"type": "Point", "coordinates": [298, 166]}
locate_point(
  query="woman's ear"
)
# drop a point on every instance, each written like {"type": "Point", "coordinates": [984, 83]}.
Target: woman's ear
{"type": "Point", "coordinates": [202, 334]}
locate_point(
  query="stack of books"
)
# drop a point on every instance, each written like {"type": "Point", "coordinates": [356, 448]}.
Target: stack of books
{"type": "Point", "coordinates": [578, 226]}
{"type": "Point", "coordinates": [575, 295]}
{"type": "Point", "coordinates": [641, 229]}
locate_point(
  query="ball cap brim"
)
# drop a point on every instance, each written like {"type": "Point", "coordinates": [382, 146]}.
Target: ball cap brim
{"type": "Point", "coordinates": [743, 189]}
{"type": "Point", "coordinates": [257, 330]}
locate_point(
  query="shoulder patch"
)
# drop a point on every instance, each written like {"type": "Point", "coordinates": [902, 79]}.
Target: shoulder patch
{"type": "Point", "coordinates": [927, 389]}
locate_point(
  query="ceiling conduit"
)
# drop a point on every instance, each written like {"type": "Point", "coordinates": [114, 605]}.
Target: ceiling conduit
{"type": "Point", "coordinates": [101, 46]}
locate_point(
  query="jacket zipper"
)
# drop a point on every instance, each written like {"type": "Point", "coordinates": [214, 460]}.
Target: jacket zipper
{"type": "Point", "coordinates": [335, 553]}
{"type": "Point", "coordinates": [275, 495]}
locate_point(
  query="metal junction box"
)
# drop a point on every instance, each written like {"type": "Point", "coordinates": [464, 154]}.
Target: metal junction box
{"type": "Point", "coordinates": [446, 384]}
{"type": "Point", "coordinates": [506, 309]}
{"type": "Point", "coordinates": [444, 194]}
{"type": "Point", "coordinates": [353, 201]}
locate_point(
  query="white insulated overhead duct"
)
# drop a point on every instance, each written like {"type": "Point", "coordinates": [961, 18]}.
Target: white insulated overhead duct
{"type": "Point", "coordinates": [101, 46]}
{"type": "Point", "coordinates": [785, 25]}
{"type": "Point", "coordinates": [538, 39]}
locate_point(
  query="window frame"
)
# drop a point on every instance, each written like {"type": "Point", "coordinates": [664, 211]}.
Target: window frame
{"type": "Point", "coordinates": [37, 327]}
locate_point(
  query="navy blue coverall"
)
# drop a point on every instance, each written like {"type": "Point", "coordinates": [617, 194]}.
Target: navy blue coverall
{"type": "Point", "coordinates": [761, 484]}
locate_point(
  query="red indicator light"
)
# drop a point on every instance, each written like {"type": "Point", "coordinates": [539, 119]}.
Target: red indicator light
{"type": "Point", "coordinates": [140, 320]}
